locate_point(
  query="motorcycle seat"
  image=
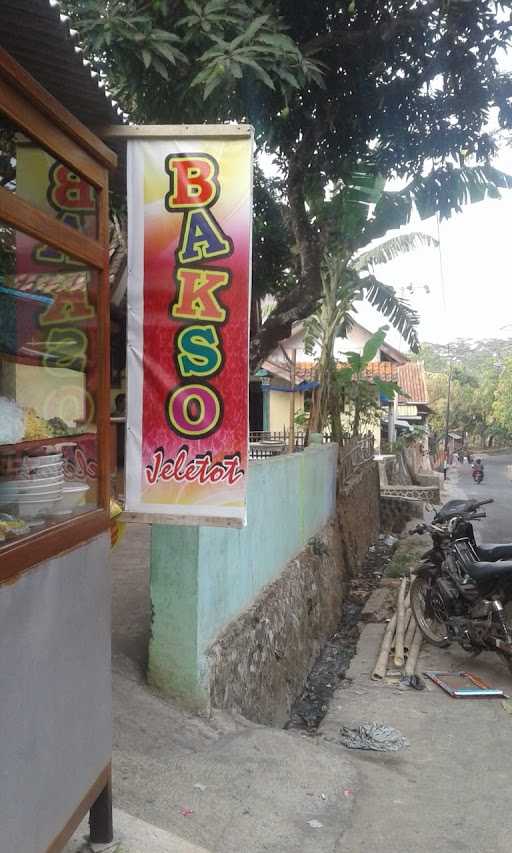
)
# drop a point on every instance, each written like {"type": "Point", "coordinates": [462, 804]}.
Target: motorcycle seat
{"type": "Point", "coordinates": [481, 570]}
{"type": "Point", "coordinates": [491, 553]}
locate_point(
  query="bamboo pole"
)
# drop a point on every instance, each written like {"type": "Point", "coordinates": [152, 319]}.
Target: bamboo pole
{"type": "Point", "coordinates": [400, 625]}
{"type": "Point", "coordinates": [382, 660]}
{"type": "Point", "coordinates": [409, 633]}
{"type": "Point", "coordinates": [412, 660]}
{"type": "Point", "coordinates": [407, 622]}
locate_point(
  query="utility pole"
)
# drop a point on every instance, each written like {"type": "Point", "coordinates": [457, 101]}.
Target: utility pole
{"type": "Point", "coordinates": [446, 436]}
{"type": "Point", "coordinates": [293, 369]}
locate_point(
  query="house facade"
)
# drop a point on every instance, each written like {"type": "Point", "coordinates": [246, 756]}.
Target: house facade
{"type": "Point", "coordinates": [272, 385]}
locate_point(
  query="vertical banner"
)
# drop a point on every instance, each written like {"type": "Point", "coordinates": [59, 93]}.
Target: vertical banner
{"type": "Point", "coordinates": [190, 212]}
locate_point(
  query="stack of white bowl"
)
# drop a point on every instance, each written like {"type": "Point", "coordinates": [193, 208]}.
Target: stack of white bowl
{"type": "Point", "coordinates": [37, 488]}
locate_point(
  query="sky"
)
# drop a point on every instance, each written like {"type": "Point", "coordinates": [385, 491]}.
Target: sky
{"type": "Point", "coordinates": [472, 297]}
{"type": "Point", "coordinates": [476, 256]}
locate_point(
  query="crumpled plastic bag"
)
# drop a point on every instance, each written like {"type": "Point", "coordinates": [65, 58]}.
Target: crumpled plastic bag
{"type": "Point", "coordinates": [413, 681]}
{"type": "Point", "coordinates": [374, 736]}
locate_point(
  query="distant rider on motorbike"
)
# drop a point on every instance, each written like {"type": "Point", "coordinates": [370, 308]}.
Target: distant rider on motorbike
{"type": "Point", "coordinates": [478, 471]}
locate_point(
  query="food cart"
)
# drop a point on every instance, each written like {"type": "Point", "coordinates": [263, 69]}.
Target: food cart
{"type": "Point", "coordinates": [55, 737]}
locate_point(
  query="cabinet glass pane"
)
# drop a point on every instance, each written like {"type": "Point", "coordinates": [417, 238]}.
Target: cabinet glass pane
{"type": "Point", "coordinates": [37, 177]}
{"type": "Point", "coordinates": [48, 383]}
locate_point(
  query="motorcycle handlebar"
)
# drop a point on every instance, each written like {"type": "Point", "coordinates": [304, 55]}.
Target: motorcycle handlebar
{"type": "Point", "coordinates": [432, 528]}
{"type": "Point", "coordinates": [422, 528]}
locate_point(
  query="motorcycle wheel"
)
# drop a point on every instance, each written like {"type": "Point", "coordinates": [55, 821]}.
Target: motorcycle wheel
{"type": "Point", "coordinates": [424, 598]}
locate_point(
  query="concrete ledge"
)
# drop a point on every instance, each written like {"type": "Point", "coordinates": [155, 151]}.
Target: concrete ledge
{"type": "Point", "coordinates": [132, 836]}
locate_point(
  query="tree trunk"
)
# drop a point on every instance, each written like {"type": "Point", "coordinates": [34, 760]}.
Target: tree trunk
{"type": "Point", "coordinates": [302, 301]}
{"type": "Point", "coordinates": [357, 418]}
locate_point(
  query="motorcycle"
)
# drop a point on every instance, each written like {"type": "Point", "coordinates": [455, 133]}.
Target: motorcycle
{"type": "Point", "coordinates": [462, 591]}
{"type": "Point", "coordinates": [478, 475]}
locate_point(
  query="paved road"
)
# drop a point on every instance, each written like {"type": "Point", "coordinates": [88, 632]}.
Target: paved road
{"type": "Point", "coordinates": [497, 484]}
{"type": "Point", "coordinates": [450, 791]}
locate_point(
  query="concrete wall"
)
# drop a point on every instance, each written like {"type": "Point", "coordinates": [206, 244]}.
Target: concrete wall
{"type": "Point", "coordinates": [258, 663]}
{"type": "Point", "coordinates": [201, 578]}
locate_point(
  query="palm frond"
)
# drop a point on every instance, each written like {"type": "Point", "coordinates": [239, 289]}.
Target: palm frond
{"type": "Point", "coordinates": [398, 311]}
{"type": "Point", "coordinates": [444, 191]}
{"type": "Point", "coordinates": [391, 249]}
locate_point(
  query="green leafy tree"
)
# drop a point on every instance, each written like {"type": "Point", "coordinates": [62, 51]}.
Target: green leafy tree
{"type": "Point", "coordinates": [361, 395]}
{"type": "Point", "coordinates": [502, 406]}
{"type": "Point", "coordinates": [345, 281]}
{"type": "Point", "coordinates": [479, 382]}
{"type": "Point", "coordinates": [383, 86]}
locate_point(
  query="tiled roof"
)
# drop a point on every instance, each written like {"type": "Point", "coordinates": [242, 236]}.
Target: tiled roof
{"type": "Point", "coordinates": [412, 379]}
{"type": "Point", "coordinates": [385, 370]}
{"type": "Point", "coordinates": [306, 370]}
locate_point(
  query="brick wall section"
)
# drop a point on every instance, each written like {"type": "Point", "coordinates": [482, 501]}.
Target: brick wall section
{"type": "Point", "coordinates": [258, 663]}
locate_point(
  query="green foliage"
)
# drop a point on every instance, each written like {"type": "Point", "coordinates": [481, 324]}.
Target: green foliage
{"type": "Point", "coordinates": [301, 418]}
{"type": "Point", "coordinates": [502, 405]}
{"type": "Point", "coordinates": [342, 94]}
{"type": "Point", "coordinates": [212, 47]}
{"type": "Point", "coordinates": [445, 190]}
{"type": "Point", "coordinates": [391, 249]}
{"type": "Point", "coordinates": [481, 379]}
{"type": "Point", "coordinates": [360, 393]}
{"type": "Point", "coordinates": [271, 257]}
{"type": "Point", "coordinates": [342, 286]}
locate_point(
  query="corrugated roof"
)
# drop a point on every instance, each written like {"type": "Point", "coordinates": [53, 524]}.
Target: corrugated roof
{"type": "Point", "coordinates": [412, 379]}
{"type": "Point", "coordinates": [39, 37]}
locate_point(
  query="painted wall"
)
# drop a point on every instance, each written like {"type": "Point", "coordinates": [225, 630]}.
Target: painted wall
{"type": "Point", "coordinates": [203, 577]}
{"type": "Point", "coordinates": [55, 682]}
{"type": "Point", "coordinates": [279, 409]}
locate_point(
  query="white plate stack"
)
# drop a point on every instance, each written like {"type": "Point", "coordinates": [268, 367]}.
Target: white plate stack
{"type": "Point", "coordinates": [37, 488]}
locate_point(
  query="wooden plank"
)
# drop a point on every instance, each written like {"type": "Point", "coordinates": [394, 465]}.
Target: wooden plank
{"type": "Point", "coordinates": [18, 213]}
{"type": "Point", "coordinates": [175, 131]}
{"type": "Point", "coordinates": [29, 119]}
{"type": "Point", "coordinates": [181, 520]}
{"type": "Point", "coordinates": [81, 810]}
{"type": "Point", "coordinates": [103, 384]}
{"type": "Point", "coordinates": [19, 78]}
{"type": "Point", "coordinates": [8, 449]}
{"type": "Point", "coordinates": [27, 552]}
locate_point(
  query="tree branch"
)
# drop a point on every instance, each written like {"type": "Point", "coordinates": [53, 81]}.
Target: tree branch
{"type": "Point", "coordinates": [345, 37]}
{"type": "Point", "coordinates": [300, 302]}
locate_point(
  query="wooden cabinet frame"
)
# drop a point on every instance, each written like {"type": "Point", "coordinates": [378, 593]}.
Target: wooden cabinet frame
{"type": "Point", "coordinates": [28, 105]}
